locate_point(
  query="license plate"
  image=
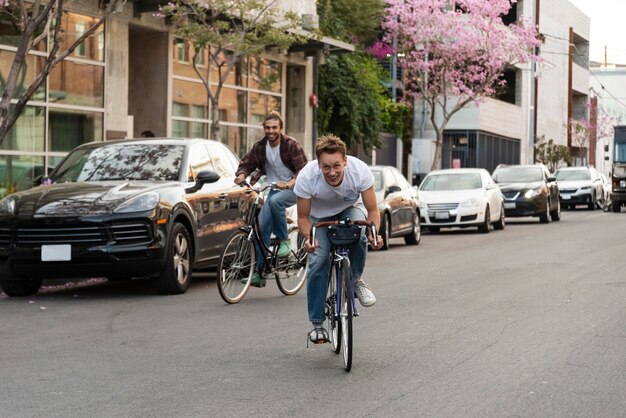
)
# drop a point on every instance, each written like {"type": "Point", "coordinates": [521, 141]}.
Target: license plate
{"type": "Point", "coordinates": [56, 252]}
{"type": "Point", "coordinates": [565, 197]}
{"type": "Point", "coordinates": [442, 215]}
{"type": "Point", "coordinates": [509, 205]}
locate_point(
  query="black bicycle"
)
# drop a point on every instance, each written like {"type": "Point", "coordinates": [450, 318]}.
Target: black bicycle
{"type": "Point", "coordinates": [237, 262]}
{"type": "Point", "coordinates": [340, 303]}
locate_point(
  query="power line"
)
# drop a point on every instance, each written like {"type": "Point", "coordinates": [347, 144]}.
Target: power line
{"type": "Point", "coordinates": [599, 82]}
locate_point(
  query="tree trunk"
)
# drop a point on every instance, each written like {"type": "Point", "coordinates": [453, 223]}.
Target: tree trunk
{"type": "Point", "coordinates": [438, 145]}
{"type": "Point", "coordinates": [215, 120]}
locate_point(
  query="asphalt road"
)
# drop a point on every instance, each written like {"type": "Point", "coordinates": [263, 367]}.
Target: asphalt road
{"type": "Point", "coordinates": [525, 322]}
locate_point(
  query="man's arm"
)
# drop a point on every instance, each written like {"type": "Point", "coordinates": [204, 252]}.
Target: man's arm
{"type": "Point", "coordinates": [373, 214]}
{"type": "Point", "coordinates": [246, 166]}
{"type": "Point", "coordinates": [304, 222]}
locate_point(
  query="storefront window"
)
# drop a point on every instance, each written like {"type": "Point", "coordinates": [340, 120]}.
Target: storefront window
{"type": "Point", "coordinates": [73, 27]}
{"type": "Point", "coordinates": [30, 70]}
{"type": "Point", "coordinates": [28, 133]}
{"type": "Point", "coordinates": [188, 93]}
{"type": "Point", "coordinates": [238, 75]}
{"type": "Point", "coordinates": [71, 128]}
{"type": "Point", "coordinates": [235, 138]}
{"type": "Point", "coordinates": [265, 74]}
{"type": "Point", "coordinates": [262, 105]}
{"type": "Point", "coordinates": [19, 173]}
{"type": "Point", "coordinates": [10, 22]}
{"type": "Point", "coordinates": [232, 105]}
{"type": "Point", "coordinates": [77, 84]}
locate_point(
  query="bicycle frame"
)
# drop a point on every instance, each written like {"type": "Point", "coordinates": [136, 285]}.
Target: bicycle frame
{"type": "Point", "coordinates": [337, 255]}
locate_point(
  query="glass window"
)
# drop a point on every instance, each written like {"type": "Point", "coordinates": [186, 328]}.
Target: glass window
{"type": "Point", "coordinates": [262, 105]}
{"type": "Point", "coordinates": [582, 174]}
{"type": "Point", "coordinates": [389, 179]}
{"type": "Point", "coordinates": [199, 160]}
{"type": "Point", "coordinates": [238, 75]}
{"type": "Point", "coordinates": [154, 162]}
{"type": "Point", "coordinates": [187, 94]}
{"type": "Point", "coordinates": [518, 174]}
{"type": "Point", "coordinates": [28, 133]}
{"type": "Point", "coordinates": [232, 105]}
{"type": "Point", "coordinates": [221, 162]}
{"type": "Point", "coordinates": [73, 27]}
{"type": "Point", "coordinates": [378, 180]}
{"type": "Point", "coordinates": [265, 74]}
{"type": "Point", "coordinates": [76, 84]}
{"type": "Point", "coordinates": [31, 69]}
{"type": "Point", "coordinates": [10, 22]}
{"type": "Point", "coordinates": [441, 182]}
{"type": "Point", "coordinates": [19, 173]}
{"type": "Point", "coordinates": [70, 128]}
{"type": "Point", "coordinates": [180, 128]}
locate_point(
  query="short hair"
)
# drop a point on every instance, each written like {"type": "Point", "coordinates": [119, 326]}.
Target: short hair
{"type": "Point", "coordinates": [330, 144]}
{"type": "Point", "coordinates": [147, 134]}
{"type": "Point", "coordinates": [274, 115]}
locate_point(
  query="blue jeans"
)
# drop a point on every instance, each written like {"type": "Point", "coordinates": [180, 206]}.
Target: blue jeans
{"type": "Point", "coordinates": [273, 219]}
{"type": "Point", "coordinates": [319, 263]}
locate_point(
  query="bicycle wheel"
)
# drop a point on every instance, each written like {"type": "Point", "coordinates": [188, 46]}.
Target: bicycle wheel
{"type": "Point", "coordinates": [291, 270]}
{"type": "Point", "coordinates": [333, 326]}
{"type": "Point", "coordinates": [346, 314]}
{"type": "Point", "coordinates": [235, 268]}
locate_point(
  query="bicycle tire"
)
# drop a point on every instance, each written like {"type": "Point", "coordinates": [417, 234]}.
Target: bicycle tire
{"type": "Point", "coordinates": [346, 314]}
{"type": "Point", "coordinates": [291, 270]}
{"type": "Point", "coordinates": [237, 262]}
{"type": "Point", "coordinates": [333, 326]}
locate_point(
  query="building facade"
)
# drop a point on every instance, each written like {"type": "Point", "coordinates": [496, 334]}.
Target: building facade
{"type": "Point", "coordinates": [538, 102]}
{"type": "Point", "coordinates": [134, 75]}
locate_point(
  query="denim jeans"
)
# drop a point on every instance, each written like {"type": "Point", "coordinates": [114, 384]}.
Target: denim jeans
{"type": "Point", "coordinates": [319, 263]}
{"type": "Point", "coordinates": [273, 219]}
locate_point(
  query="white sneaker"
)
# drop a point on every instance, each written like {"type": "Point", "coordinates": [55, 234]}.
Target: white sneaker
{"type": "Point", "coordinates": [364, 294]}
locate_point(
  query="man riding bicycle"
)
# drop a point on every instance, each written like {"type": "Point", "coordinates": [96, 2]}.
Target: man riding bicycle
{"type": "Point", "coordinates": [335, 186]}
{"type": "Point", "coordinates": [280, 158]}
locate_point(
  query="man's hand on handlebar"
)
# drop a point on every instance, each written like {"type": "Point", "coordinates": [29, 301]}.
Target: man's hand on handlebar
{"type": "Point", "coordinates": [310, 248]}
{"type": "Point", "coordinates": [379, 242]}
{"type": "Point", "coordinates": [240, 179]}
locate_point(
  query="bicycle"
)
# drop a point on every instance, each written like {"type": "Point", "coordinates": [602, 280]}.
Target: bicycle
{"type": "Point", "coordinates": [340, 304]}
{"type": "Point", "coordinates": [237, 263]}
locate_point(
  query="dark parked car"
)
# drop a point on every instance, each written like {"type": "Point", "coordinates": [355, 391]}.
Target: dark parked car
{"type": "Point", "coordinates": [152, 208]}
{"type": "Point", "coordinates": [398, 205]}
{"type": "Point", "coordinates": [529, 190]}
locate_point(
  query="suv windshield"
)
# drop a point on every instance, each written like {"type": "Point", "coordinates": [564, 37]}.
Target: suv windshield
{"type": "Point", "coordinates": [442, 182]}
{"type": "Point", "coordinates": [572, 175]}
{"type": "Point", "coordinates": [518, 175]}
{"type": "Point", "coordinates": [121, 162]}
{"type": "Point", "coordinates": [620, 152]}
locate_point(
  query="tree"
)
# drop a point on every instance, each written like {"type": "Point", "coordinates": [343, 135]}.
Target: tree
{"type": "Point", "coordinates": [350, 97]}
{"type": "Point", "coordinates": [351, 20]}
{"type": "Point", "coordinates": [36, 24]}
{"type": "Point", "coordinates": [229, 30]}
{"type": "Point", "coordinates": [551, 154]}
{"type": "Point", "coordinates": [455, 56]}
{"type": "Point", "coordinates": [579, 132]}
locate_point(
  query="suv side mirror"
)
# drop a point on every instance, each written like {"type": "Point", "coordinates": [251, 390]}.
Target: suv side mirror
{"type": "Point", "coordinates": [204, 177]}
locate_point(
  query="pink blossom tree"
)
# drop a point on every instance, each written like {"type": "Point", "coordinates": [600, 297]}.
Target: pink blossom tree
{"type": "Point", "coordinates": [453, 56]}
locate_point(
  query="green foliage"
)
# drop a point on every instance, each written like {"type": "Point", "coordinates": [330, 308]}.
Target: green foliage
{"type": "Point", "coordinates": [350, 97]}
{"type": "Point", "coordinates": [551, 154]}
{"type": "Point", "coordinates": [351, 20]}
{"type": "Point", "coordinates": [397, 119]}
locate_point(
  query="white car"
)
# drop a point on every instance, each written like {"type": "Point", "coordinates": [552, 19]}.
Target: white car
{"type": "Point", "coordinates": [580, 185]}
{"type": "Point", "coordinates": [461, 197]}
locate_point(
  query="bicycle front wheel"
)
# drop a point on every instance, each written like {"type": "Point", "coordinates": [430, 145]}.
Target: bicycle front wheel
{"type": "Point", "coordinates": [346, 314]}
{"type": "Point", "coordinates": [333, 326]}
{"type": "Point", "coordinates": [291, 270]}
{"type": "Point", "coordinates": [235, 268]}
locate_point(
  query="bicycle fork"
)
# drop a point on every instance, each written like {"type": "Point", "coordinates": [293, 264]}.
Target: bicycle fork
{"type": "Point", "coordinates": [339, 288]}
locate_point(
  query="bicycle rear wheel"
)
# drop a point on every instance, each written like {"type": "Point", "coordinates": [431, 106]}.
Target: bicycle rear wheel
{"type": "Point", "coordinates": [346, 314]}
{"type": "Point", "coordinates": [235, 268]}
{"type": "Point", "coordinates": [291, 270]}
{"type": "Point", "coordinates": [333, 326]}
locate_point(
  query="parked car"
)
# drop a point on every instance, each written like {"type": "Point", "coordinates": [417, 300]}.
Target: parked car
{"type": "Point", "coordinates": [580, 185]}
{"type": "Point", "coordinates": [152, 208]}
{"type": "Point", "coordinates": [461, 197]}
{"type": "Point", "coordinates": [529, 190]}
{"type": "Point", "coordinates": [398, 205]}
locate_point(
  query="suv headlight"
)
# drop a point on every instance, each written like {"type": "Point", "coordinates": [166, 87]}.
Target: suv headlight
{"type": "Point", "coordinates": [141, 203]}
{"type": "Point", "coordinates": [534, 192]}
{"type": "Point", "coordinates": [7, 206]}
{"type": "Point", "coordinates": [423, 206]}
{"type": "Point", "coordinates": [585, 188]}
{"type": "Point", "coordinates": [469, 202]}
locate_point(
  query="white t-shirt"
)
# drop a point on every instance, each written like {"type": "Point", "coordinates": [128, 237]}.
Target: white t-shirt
{"type": "Point", "coordinates": [326, 200]}
{"type": "Point", "coordinates": [275, 169]}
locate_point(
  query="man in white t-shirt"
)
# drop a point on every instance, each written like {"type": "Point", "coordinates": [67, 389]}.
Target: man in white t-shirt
{"type": "Point", "coordinates": [280, 158]}
{"type": "Point", "coordinates": [335, 186]}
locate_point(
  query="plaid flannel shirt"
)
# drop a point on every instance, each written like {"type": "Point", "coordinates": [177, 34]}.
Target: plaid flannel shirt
{"type": "Point", "coordinates": [291, 154]}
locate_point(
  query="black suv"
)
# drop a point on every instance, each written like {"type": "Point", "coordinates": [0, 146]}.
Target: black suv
{"type": "Point", "coordinates": [529, 190]}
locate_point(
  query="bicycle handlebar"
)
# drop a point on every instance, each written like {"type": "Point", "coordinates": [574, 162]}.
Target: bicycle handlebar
{"type": "Point", "coordinates": [322, 224]}
{"type": "Point", "coordinates": [260, 190]}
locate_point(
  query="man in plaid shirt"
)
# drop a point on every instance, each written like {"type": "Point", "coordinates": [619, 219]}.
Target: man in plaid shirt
{"type": "Point", "coordinates": [280, 158]}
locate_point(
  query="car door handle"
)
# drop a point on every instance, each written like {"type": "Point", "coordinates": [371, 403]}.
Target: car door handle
{"type": "Point", "coordinates": [223, 196]}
